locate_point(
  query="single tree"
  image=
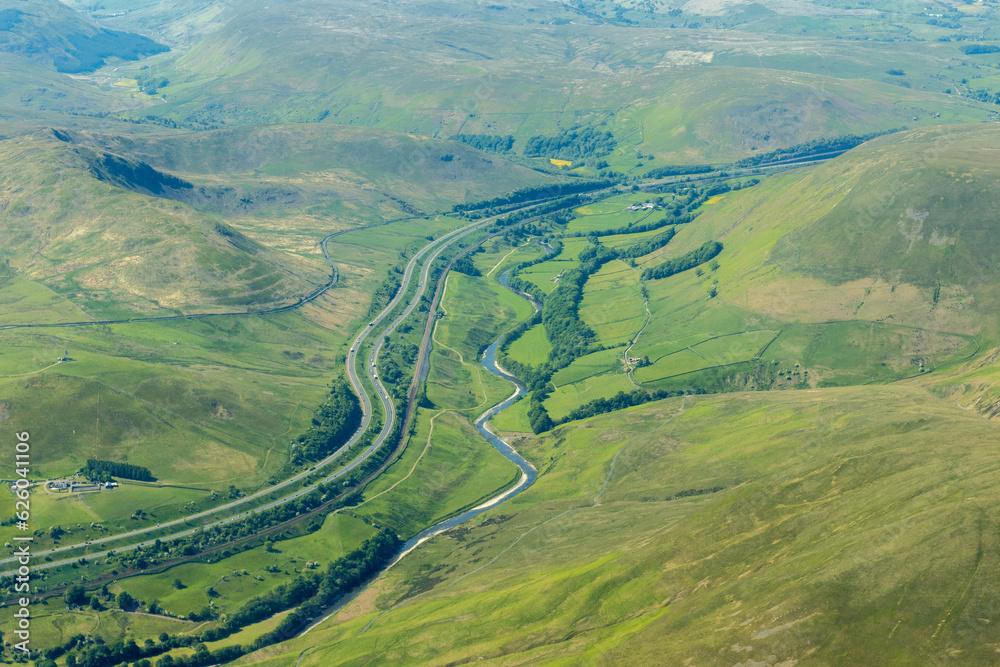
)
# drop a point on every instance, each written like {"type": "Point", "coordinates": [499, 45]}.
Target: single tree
{"type": "Point", "coordinates": [75, 595]}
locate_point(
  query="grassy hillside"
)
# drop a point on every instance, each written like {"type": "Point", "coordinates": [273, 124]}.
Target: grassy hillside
{"type": "Point", "coordinates": [111, 250]}
{"type": "Point", "coordinates": [175, 22]}
{"type": "Point", "coordinates": [278, 188]}
{"type": "Point", "coordinates": [316, 166]}
{"type": "Point", "coordinates": [897, 231]}
{"type": "Point", "coordinates": [873, 267]}
{"type": "Point", "coordinates": [780, 527]}
{"type": "Point", "coordinates": [668, 90]}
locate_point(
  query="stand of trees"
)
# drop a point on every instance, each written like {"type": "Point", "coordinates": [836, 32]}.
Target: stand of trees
{"type": "Point", "coordinates": [623, 400]}
{"type": "Point", "coordinates": [810, 148]}
{"type": "Point", "coordinates": [466, 266]}
{"type": "Point", "coordinates": [569, 144]}
{"type": "Point", "coordinates": [678, 170]}
{"type": "Point", "coordinates": [536, 192]}
{"type": "Point", "coordinates": [569, 336]}
{"type": "Point", "coordinates": [103, 471]}
{"type": "Point", "coordinates": [151, 84]}
{"type": "Point", "coordinates": [986, 96]}
{"type": "Point", "coordinates": [530, 288]}
{"type": "Point", "coordinates": [686, 261]}
{"type": "Point", "coordinates": [648, 246]}
{"type": "Point", "coordinates": [973, 49]}
{"type": "Point", "coordinates": [332, 423]}
{"type": "Point", "coordinates": [679, 217]}
{"type": "Point", "coordinates": [494, 143]}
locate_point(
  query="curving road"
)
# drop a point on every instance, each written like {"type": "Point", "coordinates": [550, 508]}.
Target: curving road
{"type": "Point", "coordinates": [437, 246]}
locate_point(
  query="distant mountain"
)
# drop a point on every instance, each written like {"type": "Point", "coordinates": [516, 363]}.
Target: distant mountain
{"type": "Point", "coordinates": [56, 36]}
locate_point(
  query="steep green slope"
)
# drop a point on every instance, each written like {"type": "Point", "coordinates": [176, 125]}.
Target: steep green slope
{"type": "Point", "coordinates": [842, 526]}
{"type": "Point", "coordinates": [899, 230]}
{"type": "Point", "coordinates": [91, 214]}
{"type": "Point", "coordinates": [873, 267]}
{"type": "Point", "coordinates": [173, 21]}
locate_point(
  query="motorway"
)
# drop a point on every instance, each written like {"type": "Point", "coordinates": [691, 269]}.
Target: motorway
{"type": "Point", "coordinates": [434, 249]}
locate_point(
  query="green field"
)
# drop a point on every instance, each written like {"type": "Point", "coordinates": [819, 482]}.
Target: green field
{"type": "Point", "coordinates": [458, 470]}
{"type": "Point", "coordinates": [612, 303]}
{"type": "Point", "coordinates": [600, 385]}
{"type": "Point", "coordinates": [514, 419]}
{"type": "Point", "coordinates": [532, 347]}
{"type": "Point", "coordinates": [546, 275]}
{"type": "Point", "coordinates": [476, 311]}
{"type": "Point", "coordinates": [54, 624]}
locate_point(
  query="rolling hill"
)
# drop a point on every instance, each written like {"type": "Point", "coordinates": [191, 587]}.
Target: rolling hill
{"type": "Point", "coordinates": [148, 221]}
{"type": "Point", "coordinates": [836, 526]}
{"type": "Point", "coordinates": [96, 242]}
{"type": "Point", "coordinates": [815, 483]}
{"type": "Point", "coordinates": [666, 90]}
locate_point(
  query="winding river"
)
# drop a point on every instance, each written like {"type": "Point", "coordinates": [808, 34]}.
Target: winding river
{"type": "Point", "coordinates": [528, 471]}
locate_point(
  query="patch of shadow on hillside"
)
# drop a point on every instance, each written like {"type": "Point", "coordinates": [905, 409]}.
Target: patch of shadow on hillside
{"type": "Point", "coordinates": [138, 176]}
